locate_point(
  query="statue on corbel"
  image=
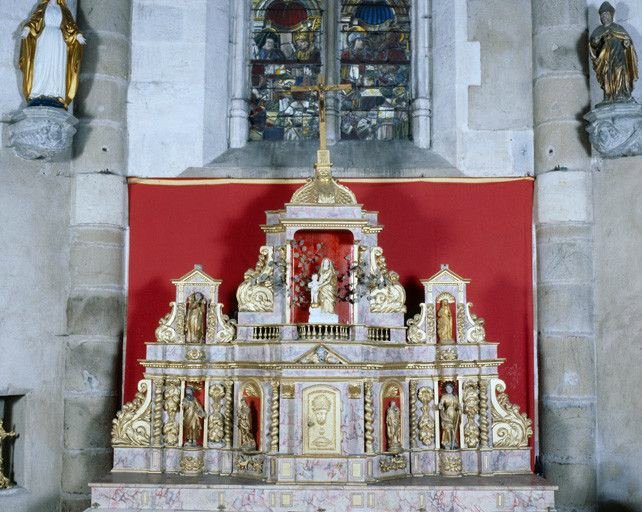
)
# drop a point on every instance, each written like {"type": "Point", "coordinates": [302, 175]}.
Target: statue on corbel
{"type": "Point", "coordinates": [386, 293]}
{"type": "Point", "coordinates": [51, 48]}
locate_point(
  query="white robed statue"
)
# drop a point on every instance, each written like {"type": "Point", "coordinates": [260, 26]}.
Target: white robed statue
{"type": "Point", "coordinates": [50, 54]}
{"type": "Point", "coordinates": [324, 292]}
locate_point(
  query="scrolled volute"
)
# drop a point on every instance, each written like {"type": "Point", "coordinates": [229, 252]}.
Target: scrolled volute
{"type": "Point", "coordinates": [256, 292]}
{"type": "Point", "coordinates": [165, 332]}
{"type": "Point", "coordinates": [511, 428]}
{"type": "Point", "coordinates": [132, 425]}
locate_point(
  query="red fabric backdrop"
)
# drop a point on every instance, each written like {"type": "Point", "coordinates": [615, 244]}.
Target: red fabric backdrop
{"type": "Point", "coordinates": [481, 228]}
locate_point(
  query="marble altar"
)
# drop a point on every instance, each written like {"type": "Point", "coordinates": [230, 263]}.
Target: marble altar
{"type": "Point", "coordinates": [277, 410]}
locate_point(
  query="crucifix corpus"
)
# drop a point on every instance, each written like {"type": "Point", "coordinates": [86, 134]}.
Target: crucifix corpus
{"type": "Point", "coordinates": [321, 89]}
{"type": "Point", "coordinates": [4, 481]}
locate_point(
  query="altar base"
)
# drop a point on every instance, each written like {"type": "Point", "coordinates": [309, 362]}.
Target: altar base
{"type": "Point", "coordinates": [145, 493]}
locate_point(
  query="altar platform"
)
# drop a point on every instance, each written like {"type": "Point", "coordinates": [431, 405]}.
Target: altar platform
{"type": "Point", "coordinates": [125, 492]}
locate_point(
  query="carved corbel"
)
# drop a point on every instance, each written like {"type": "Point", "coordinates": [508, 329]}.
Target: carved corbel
{"type": "Point", "coordinates": [386, 294]}
{"type": "Point", "coordinates": [165, 332]}
{"type": "Point", "coordinates": [256, 292]}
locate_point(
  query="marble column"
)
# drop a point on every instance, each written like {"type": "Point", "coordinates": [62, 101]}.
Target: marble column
{"type": "Point", "coordinates": [564, 222]}
{"type": "Point", "coordinates": [421, 79]}
{"type": "Point", "coordinates": [95, 306]}
{"type": "Point", "coordinates": [239, 110]}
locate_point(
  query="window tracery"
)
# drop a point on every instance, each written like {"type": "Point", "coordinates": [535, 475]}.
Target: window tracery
{"type": "Point", "coordinates": [288, 47]}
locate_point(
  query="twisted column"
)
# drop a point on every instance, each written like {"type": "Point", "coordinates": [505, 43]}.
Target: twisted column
{"type": "Point", "coordinates": [157, 411]}
{"type": "Point", "coordinates": [229, 386]}
{"type": "Point", "coordinates": [274, 418]}
{"type": "Point", "coordinates": [483, 413]}
{"type": "Point", "coordinates": [413, 413]}
{"type": "Point", "coordinates": [368, 418]}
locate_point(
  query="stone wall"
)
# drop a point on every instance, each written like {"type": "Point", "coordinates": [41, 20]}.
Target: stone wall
{"type": "Point", "coordinates": [617, 187]}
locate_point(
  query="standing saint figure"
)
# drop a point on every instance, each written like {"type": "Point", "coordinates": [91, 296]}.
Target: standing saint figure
{"type": "Point", "coordinates": [50, 53]}
{"type": "Point", "coordinates": [192, 415]}
{"type": "Point", "coordinates": [444, 322]}
{"type": "Point", "coordinates": [613, 56]}
{"type": "Point", "coordinates": [195, 318]}
{"type": "Point", "coordinates": [393, 427]}
{"type": "Point", "coordinates": [449, 414]}
{"type": "Point", "coordinates": [328, 286]}
{"type": "Point", "coordinates": [246, 434]}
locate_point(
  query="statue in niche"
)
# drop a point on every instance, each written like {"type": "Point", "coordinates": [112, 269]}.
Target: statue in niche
{"type": "Point", "coordinates": [449, 415]}
{"type": "Point", "coordinates": [444, 322]}
{"type": "Point", "coordinates": [327, 286]}
{"type": "Point", "coordinates": [246, 435]}
{"type": "Point", "coordinates": [314, 290]}
{"type": "Point", "coordinates": [195, 318]}
{"type": "Point", "coordinates": [393, 427]}
{"type": "Point", "coordinates": [613, 56]}
{"type": "Point", "coordinates": [50, 53]}
{"type": "Point", "coordinates": [268, 43]}
{"type": "Point", "coordinates": [193, 413]}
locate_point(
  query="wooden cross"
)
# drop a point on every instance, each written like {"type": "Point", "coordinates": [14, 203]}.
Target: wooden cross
{"type": "Point", "coordinates": [321, 89]}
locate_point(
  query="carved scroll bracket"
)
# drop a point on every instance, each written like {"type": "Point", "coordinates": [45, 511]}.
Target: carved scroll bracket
{"type": "Point", "coordinates": [132, 425]}
{"type": "Point", "coordinates": [511, 428]}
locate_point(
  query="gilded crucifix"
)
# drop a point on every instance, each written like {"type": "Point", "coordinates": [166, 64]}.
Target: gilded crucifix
{"type": "Point", "coordinates": [321, 89]}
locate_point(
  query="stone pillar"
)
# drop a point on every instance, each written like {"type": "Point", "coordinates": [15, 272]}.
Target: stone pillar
{"type": "Point", "coordinates": [239, 111]}
{"type": "Point", "coordinates": [564, 223]}
{"type": "Point", "coordinates": [95, 305]}
{"type": "Point", "coordinates": [421, 78]}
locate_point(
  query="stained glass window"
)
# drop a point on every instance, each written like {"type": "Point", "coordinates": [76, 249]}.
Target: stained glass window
{"type": "Point", "coordinates": [375, 59]}
{"type": "Point", "coordinates": [286, 42]}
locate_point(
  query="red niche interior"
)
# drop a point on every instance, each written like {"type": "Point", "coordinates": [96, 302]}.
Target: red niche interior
{"type": "Point", "coordinates": [309, 248]}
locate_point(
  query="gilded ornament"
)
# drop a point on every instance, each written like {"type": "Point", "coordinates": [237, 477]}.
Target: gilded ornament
{"type": "Point", "coordinates": [195, 354]}
{"type": "Point", "coordinates": [228, 414]}
{"type": "Point", "coordinates": [191, 465]}
{"type": "Point", "coordinates": [248, 464]}
{"type": "Point", "coordinates": [476, 333]}
{"type": "Point", "coordinates": [386, 294]}
{"type": "Point", "coordinates": [320, 355]}
{"type": "Point", "coordinates": [416, 332]}
{"type": "Point", "coordinates": [461, 321]}
{"type": "Point", "coordinates": [391, 391]}
{"type": "Point", "coordinates": [471, 409]}
{"type": "Point", "coordinates": [256, 293]}
{"type": "Point", "coordinates": [430, 323]}
{"type": "Point", "coordinates": [193, 413]}
{"type": "Point", "coordinates": [412, 392]}
{"type": "Point", "coordinates": [226, 327]}
{"type": "Point", "coordinates": [354, 391]}
{"type": "Point", "coordinates": [368, 417]}
{"type": "Point", "coordinates": [449, 417]}
{"type": "Point", "coordinates": [287, 391]}
{"type": "Point", "coordinates": [157, 411]}
{"type": "Point", "coordinates": [216, 420]}
{"type": "Point", "coordinates": [321, 420]}
{"type": "Point", "coordinates": [511, 429]}
{"type": "Point", "coordinates": [392, 463]}
{"type": "Point", "coordinates": [251, 389]}
{"type": "Point", "coordinates": [212, 322]}
{"type": "Point", "coordinates": [165, 333]}
{"type": "Point", "coordinates": [274, 418]}
{"type": "Point", "coordinates": [172, 396]}
{"type": "Point", "coordinates": [132, 425]}
{"type": "Point", "coordinates": [450, 464]}
{"type": "Point", "coordinates": [5, 483]}
{"type": "Point", "coordinates": [426, 421]}
{"type": "Point", "coordinates": [446, 354]}
{"type": "Point", "coordinates": [179, 326]}
{"type": "Point", "coordinates": [483, 413]}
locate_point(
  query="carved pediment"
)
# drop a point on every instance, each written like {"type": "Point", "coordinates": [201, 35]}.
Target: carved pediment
{"type": "Point", "coordinates": [321, 355]}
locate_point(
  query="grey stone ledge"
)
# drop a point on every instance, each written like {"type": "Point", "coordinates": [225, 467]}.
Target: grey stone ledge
{"type": "Point", "coordinates": [351, 159]}
{"type": "Point", "coordinates": [564, 231]}
{"type": "Point", "coordinates": [615, 129]}
{"type": "Point", "coordinates": [567, 460]}
{"type": "Point", "coordinates": [568, 402]}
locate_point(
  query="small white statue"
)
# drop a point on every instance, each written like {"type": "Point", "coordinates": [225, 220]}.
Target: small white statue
{"type": "Point", "coordinates": [314, 290]}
